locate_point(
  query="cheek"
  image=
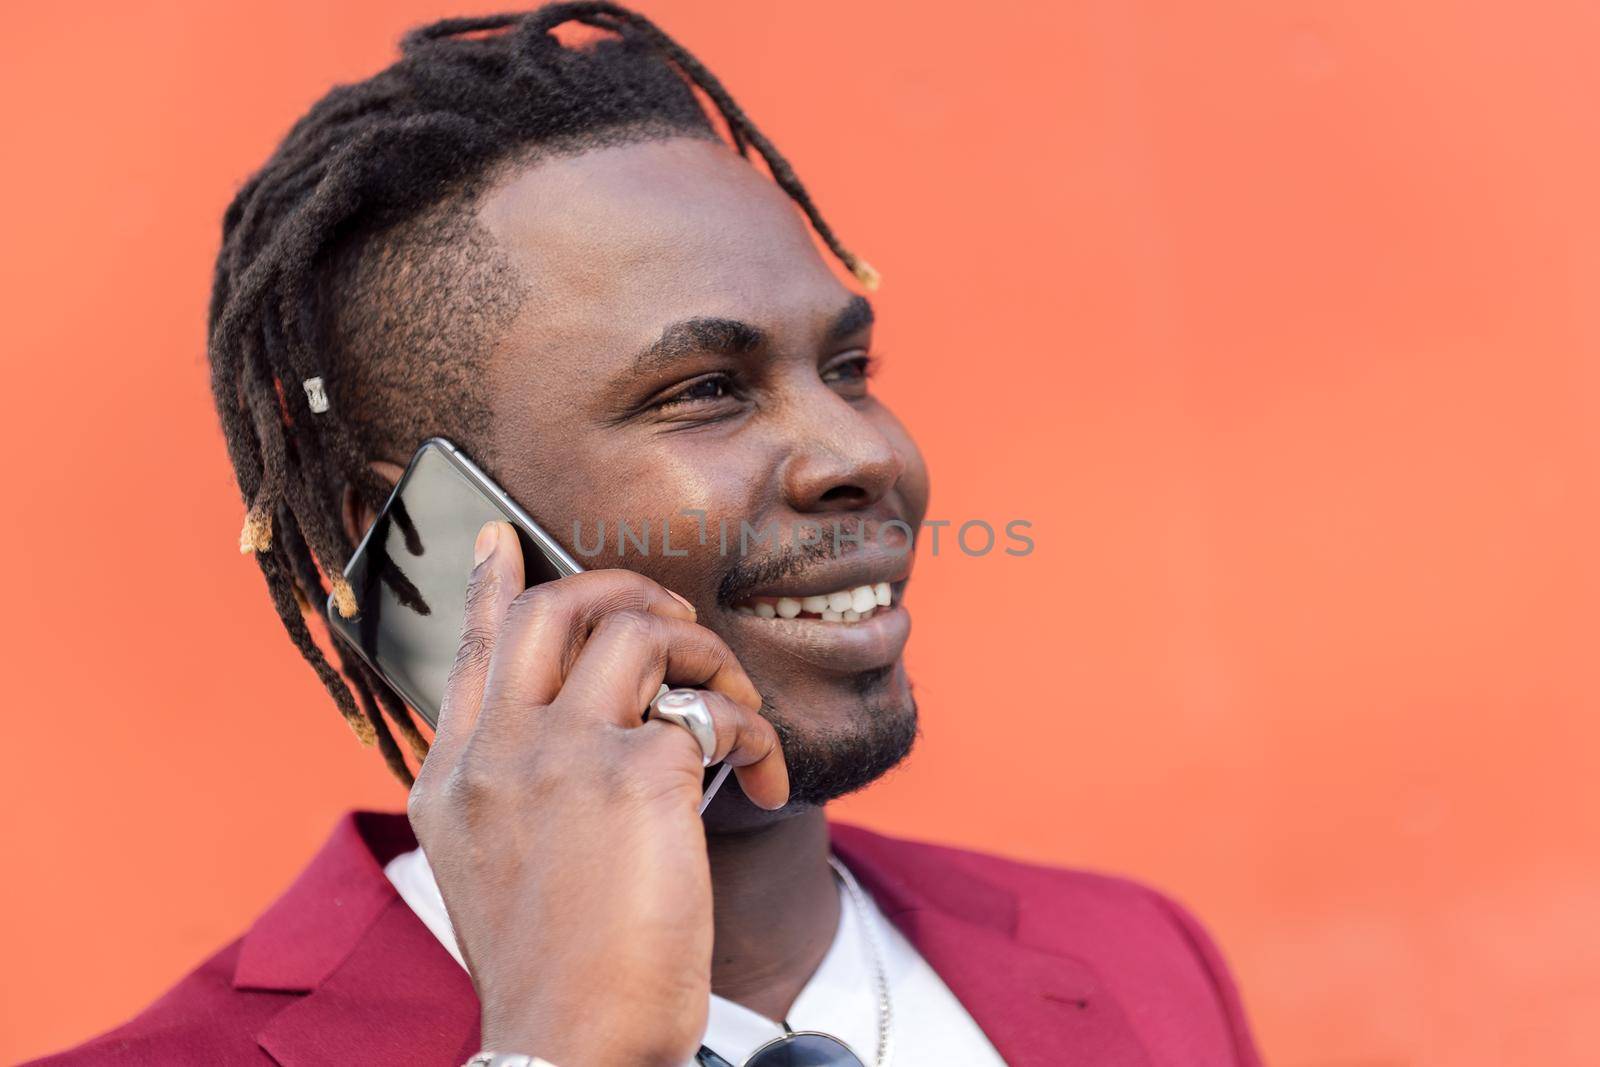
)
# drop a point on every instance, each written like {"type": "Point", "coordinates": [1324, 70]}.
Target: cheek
{"type": "Point", "coordinates": [662, 508]}
{"type": "Point", "coordinates": [701, 491]}
{"type": "Point", "coordinates": [913, 486]}
{"type": "Point", "coordinates": [582, 480]}
{"type": "Point", "coordinates": [677, 481]}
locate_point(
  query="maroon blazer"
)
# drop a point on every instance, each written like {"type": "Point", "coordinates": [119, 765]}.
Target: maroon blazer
{"type": "Point", "coordinates": [1057, 967]}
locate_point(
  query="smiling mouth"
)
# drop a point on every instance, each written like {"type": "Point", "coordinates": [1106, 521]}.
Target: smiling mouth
{"type": "Point", "coordinates": [856, 604]}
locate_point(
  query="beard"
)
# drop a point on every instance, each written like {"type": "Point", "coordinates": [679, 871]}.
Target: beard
{"type": "Point", "coordinates": [825, 765]}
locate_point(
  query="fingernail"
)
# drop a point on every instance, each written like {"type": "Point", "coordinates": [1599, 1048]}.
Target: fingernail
{"type": "Point", "coordinates": [682, 601]}
{"type": "Point", "coordinates": [483, 547]}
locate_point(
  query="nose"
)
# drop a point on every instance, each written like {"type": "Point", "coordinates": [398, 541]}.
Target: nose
{"type": "Point", "coordinates": [839, 459]}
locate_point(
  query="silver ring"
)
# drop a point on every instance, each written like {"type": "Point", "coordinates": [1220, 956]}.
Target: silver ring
{"type": "Point", "coordinates": [687, 708]}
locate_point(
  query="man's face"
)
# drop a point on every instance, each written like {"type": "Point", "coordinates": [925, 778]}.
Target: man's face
{"type": "Point", "coordinates": [684, 348]}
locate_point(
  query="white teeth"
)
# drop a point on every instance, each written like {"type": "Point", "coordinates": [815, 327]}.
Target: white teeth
{"type": "Point", "coordinates": [847, 605]}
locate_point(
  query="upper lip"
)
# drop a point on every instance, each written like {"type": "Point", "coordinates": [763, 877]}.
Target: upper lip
{"type": "Point", "coordinates": [866, 566]}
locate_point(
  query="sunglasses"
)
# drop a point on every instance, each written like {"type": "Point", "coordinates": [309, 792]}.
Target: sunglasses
{"type": "Point", "coordinates": [796, 1048]}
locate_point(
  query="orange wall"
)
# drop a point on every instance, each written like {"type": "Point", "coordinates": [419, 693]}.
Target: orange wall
{"type": "Point", "coordinates": [1277, 318]}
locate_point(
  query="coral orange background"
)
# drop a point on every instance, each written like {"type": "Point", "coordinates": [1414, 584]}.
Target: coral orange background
{"type": "Point", "coordinates": [1278, 319]}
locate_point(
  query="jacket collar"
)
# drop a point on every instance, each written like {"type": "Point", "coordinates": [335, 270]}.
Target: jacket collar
{"type": "Point", "coordinates": [380, 988]}
{"type": "Point", "coordinates": [1037, 1006]}
{"type": "Point", "coordinates": [311, 929]}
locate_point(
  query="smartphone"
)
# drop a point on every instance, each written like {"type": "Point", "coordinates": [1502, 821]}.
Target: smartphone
{"type": "Point", "coordinates": [409, 575]}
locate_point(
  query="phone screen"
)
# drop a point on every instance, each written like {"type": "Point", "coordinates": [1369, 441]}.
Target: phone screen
{"type": "Point", "coordinates": [409, 574]}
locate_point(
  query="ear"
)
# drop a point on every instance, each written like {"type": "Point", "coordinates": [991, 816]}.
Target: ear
{"type": "Point", "coordinates": [357, 515]}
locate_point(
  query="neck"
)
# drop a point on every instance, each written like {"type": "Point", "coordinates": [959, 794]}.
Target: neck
{"type": "Point", "coordinates": [776, 911]}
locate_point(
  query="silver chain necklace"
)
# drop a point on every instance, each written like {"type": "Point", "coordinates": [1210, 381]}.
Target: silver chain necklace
{"type": "Point", "coordinates": [880, 974]}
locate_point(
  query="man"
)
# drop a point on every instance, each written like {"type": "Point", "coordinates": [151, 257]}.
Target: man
{"type": "Point", "coordinates": [540, 247]}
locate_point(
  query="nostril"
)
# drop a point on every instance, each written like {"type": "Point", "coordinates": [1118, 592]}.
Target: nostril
{"type": "Point", "coordinates": [843, 494]}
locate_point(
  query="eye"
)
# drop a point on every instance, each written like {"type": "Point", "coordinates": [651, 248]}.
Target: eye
{"type": "Point", "coordinates": [711, 387]}
{"type": "Point", "coordinates": [850, 372]}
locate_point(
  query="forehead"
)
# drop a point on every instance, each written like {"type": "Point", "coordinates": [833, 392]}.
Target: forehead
{"type": "Point", "coordinates": [623, 239]}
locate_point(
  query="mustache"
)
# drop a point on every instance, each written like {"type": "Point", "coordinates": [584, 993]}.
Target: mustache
{"type": "Point", "coordinates": [746, 574]}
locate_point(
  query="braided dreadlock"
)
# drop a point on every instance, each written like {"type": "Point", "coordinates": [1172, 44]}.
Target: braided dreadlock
{"type": "Point", "coordinates": [367, 186]}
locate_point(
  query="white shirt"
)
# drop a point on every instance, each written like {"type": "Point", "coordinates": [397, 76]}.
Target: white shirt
{"type": "Point", "coordinates": [930, 1027]}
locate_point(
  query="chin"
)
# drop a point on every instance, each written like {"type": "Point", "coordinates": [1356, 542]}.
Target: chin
{"type": "Point", "coordinates": [832, 746]}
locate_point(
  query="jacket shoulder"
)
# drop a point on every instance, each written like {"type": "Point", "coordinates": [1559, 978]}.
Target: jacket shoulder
{"type": "Point", "coordinates": [1033, 884]}
{"type": "Point", "coordinates": [201, 1020]}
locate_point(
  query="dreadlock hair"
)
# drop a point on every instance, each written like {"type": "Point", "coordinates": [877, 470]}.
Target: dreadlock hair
{"type": "Point", "coordinates": [351, 282]}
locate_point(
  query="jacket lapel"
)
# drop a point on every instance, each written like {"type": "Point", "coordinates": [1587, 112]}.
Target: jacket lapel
{"type": "Point", "coordinates": [379, 988]}
{"type": "Point", "coordinates": [398, 998]}
{"type": "Point", "coordinates": [1039, 1008]}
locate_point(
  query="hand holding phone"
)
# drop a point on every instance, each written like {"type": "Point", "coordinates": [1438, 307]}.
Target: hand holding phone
{"type": "Point", "coordinates": [409, 575]}
{"type": "Point", "coordinates": [562, 829]}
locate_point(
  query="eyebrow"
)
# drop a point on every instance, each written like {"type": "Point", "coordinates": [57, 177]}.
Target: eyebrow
{"type": "Point", "coordinates": [855, 316]}
{"type": "Point", "coordinates": [733, 337]}
{"type": "Point", "coordinates": [729, 337]}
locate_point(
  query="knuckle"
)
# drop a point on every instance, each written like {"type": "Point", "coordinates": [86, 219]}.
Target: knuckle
{"type": "Point", "coordinates": [536, 601]}
{"type": "Point", "coordinates": [717, 649]}
{"type": "Point", "coordinates": [616, 599]}
{"type": "Point", "coordinates": [470, 786]}
{"type": "Point", "coordinates": [620, 590]}
{"type": "Point", "coordinates": [477, 643]}
{"type": "Point", "coordinates": [420, 806]}
{"type": "Point", "coordinates": [767, 742]}
{"type": "Point", "coordinates": [483, 587]}
{"type": "Point", "coordinates": [708, 643]}
{"type": "Point", "coordinates": [750, 731]}
{"type": "Point", "coordinates": [629, 624]}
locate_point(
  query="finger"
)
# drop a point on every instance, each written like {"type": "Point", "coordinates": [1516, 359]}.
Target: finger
{"type": "Point", "coordinates": [629, 655]}
{"type": "Point", "coordinates": [546, 627]}
{"type": "Point", "coordinates": [746, 741]}
{"type": "Point", "coordinates": [496, 581]}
